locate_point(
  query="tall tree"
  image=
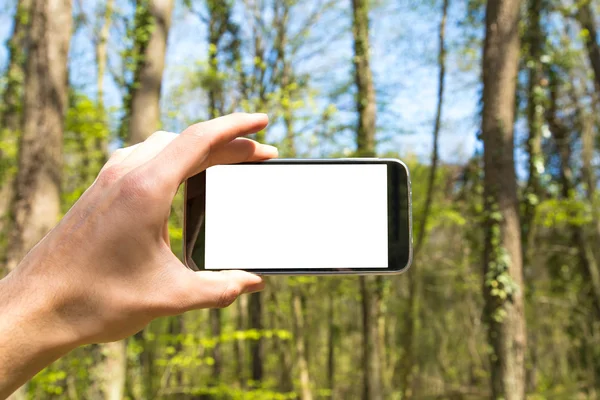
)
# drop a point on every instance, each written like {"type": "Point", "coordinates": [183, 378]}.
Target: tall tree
{"type": "Point", "coordinates": [255, 319]}
{"type": "Point", "coordinates": [36, 200]}
{"type": "Point", "coordinates": [11, 108]}
{"type": "Point", "coordinates": [153, 21]}
{"type": "Point", "coordinates": [414, 279]}
{"type": "Point", "coordinates": [35, 204]}
{"type": "Point", "coordinates": [101, 61]}
{"type": "Point", "coordinates": [101, 49]}
{"type": "Point", "coordinates": [365, 146]}
{"type": "Point", "coordinates": [503, 281]}
{"type": "Point", "coordinates": [300, 337]}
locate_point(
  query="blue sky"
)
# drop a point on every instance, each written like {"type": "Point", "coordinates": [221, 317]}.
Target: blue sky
{"type": "Point", "coordinates": [404, 51]}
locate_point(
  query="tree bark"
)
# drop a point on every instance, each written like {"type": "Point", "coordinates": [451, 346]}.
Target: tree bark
{"type": "Point", "coordinates": [35, 205]}
{"type": "Point", "coordinates": [11, 110]}
{"type": "Point", "coordinates": [365, 146]}
{"type": "Point", "coordinates": [241, 318]}
{"type": "Point", "coordinates": [365, 104]}
{"type": "Point", "coordinates": [215, 331]}
{"type": "Point", "coordinates": [436, 127]}
{"type": "Point", "coordinates": [11, 115]}
{"type": "Point", "coordinates": [255, 315]}
{"type": "Point", "coordinates": [145, 93]}
{"type": "Point", "coordinates": [101, 50]}
{"type": "Point", "coordinates": [503, 279]}
{"type": "Point", "coordinates": [299, 338]}
{"type": "Point", "coordinates": [113, 370]}
{"type": "Point", "coordinates": [281, 346]}
{"type": "Point", "coordinates": [36, 201]}
{"type": "Point", "coordinates": [331, 345]}
{"type": "Point", "coordinates": [101, 60]}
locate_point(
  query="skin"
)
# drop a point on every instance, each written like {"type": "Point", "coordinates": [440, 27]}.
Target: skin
{"type": "Point", "coordinates": [106, 270]}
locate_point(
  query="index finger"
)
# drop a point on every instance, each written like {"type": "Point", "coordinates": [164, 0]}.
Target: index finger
{"type": "Point", "coordinates": [187, 154]}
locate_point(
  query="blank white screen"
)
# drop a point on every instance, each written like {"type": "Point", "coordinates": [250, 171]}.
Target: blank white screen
{"type": "Point", "coordinates": [296, 216]}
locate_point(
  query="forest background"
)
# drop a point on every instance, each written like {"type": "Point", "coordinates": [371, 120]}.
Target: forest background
{"type": "Point", "coordinates": [495, 107]}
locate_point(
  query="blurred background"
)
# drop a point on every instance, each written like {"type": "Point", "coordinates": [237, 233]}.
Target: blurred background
{"type": "Point", "coordinates": [496, 117]}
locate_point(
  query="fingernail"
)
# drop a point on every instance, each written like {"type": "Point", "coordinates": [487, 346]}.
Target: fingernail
{"type": "Point", "coordinates": [254, 288]}
{"type": "Point", "coordinates": [271, 149]}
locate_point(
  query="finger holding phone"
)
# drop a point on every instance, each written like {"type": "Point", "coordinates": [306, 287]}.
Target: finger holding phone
{"type": "Point", "coordinates": [106, 270]}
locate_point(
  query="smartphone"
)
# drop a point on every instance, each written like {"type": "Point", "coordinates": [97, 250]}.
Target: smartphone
{"type": "Point", "coordinates": [300, 217]}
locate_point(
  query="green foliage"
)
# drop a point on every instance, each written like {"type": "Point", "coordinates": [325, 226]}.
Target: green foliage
{"type": "Point", "coordinates": [563, 212]}
{"type": "Point", "coordinates": [85, 139]}
{"type": "Point", "coordinates": [8, 154]}
{"type": "Point", "coordinates": [498, 280]}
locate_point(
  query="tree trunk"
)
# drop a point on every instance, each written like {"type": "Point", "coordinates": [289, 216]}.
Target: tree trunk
{"type": "Point", "coordinates": [299, 338]}
{"type": "Point", "coordinates": [255, 311]}
{"type": "Point", "coordinates": [241, 317]}
{"type": "Point", "coordinates": [281, 347]}
{"type": "Point", "coordinates": [365, 146]}
{"type": "Point", "coordinates": [11, 111]}
{"type": "Point", "coordinates": [215, 331]}
{"type": "Point", "coordinates": [101, 60]}
{"type": "Point", "coordinates": [436, 127]}
{"type": "Point", "coordinates": [36, 201]}
{"type": "Point", "coordinates": [145, 92]}
{"type": "Point", "coordinates": [101, 50]}
{"type": "Point", "coordinates": [113, 370]}
{"type": "Point", "coordinates": [585, 16]}
{"type": "Point", "coordinates": [35, 204]}
{"type": "Point", "coordinates": [365, 104]}
{"type": "Point", "coordinates": [503, 279]}
{"type": "Point", "coordinates": [413, 276]}
{"type": "Point", "coordinates": [331, 345]}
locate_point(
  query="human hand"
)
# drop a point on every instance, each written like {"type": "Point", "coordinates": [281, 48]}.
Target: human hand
{"type": "Point", "coordinates": [107, 269]}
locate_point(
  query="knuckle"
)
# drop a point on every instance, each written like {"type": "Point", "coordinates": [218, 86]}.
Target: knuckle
{"type": "Point", "coordinates": [162, 135]}
{"type": "Point", "coordinates": [136, 186]}
{"type": "Point", "coordinates": [110, 175]}
{"type": "Point", "coordinates": [229, 295]}
{"type": "Point", "coordinates": [195, 131]}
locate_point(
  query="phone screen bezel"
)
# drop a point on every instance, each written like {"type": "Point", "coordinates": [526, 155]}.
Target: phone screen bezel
{"type": "Point", "coordinates": [399, 212]}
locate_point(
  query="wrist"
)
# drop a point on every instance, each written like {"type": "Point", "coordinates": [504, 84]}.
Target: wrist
{"type": "Point", "coordinates": [31, 337]}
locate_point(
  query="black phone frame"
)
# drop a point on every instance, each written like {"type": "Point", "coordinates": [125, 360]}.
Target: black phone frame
{"type": "Point", "coordinates": [399, 213]}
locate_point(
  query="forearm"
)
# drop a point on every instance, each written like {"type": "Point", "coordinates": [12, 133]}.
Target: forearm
{"type": "Point", "coordinates": [29, 340]}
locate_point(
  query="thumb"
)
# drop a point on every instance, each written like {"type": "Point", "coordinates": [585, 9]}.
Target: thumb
{"type": "Point", "coordinates": [213, 289]}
